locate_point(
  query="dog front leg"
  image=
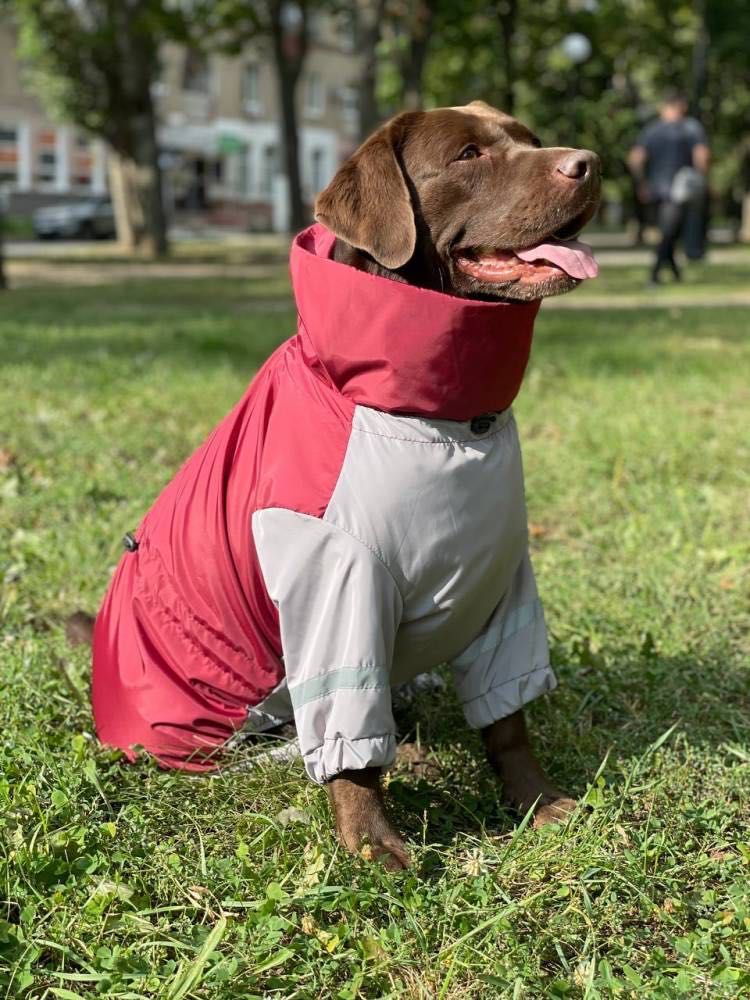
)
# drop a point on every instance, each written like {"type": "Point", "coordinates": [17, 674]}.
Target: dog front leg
{"type": "Point", "coordinates": [524, 781]}
{"type": "Point", "coordinates": [361, 820]}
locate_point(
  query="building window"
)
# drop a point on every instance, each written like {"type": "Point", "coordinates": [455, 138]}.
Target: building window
{"type": "Point", "coordinates": [349, 101]}
{"type": "Point", "coordinates": [314, 96]}
{"type": "Point", "coordinates": [46, 167]}
{"type": "Point", "coordinates": [317, 165]}
{"type": "Point", "coordinates": [249, 172]}
{"type": "Point", "coordinates": [8, 155]}
{"type": "Point", "coordinates": [346, 30]}
{"type": "Point", "coordinates": [315, 25]}
{"type": "Point", "coordinates": [268, 171]}
{"type": "Point", "coordinates": [251, 88]}
{"type": "Point", "coordinates": [195, 73]}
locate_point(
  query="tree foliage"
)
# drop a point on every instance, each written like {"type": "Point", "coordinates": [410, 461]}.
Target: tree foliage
{"type": "Point", "coordinates": [511, 54]}
{"type": "Point", "coordinates": [94, 62]}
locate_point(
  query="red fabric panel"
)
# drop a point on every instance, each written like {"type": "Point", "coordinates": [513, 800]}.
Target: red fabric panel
{"type": "Point", "coordinates": [187, 637]}
{"type": "Point", "coordinates": [405, 349]}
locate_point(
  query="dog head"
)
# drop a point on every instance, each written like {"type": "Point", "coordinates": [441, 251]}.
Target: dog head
{"type": "Point", "coordinates": [457, 199]}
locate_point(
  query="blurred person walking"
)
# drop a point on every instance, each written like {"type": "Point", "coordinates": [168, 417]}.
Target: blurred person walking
{"type": "Point", "coordinates": [669, 163]}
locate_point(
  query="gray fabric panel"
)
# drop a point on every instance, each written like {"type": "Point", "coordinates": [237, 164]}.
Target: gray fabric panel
{"type": "Point", "coordinates": [444, 509]}
{"type": "Point", "coordinates": [505, 699]}
{"type": "Point", "coordinates": [495, 674]}
{"type": "Point", "coordinates": [275, 709]}
{"type": "Point", "coordinates": [339, 610]}
{"type": "Point", "coordinates": [421, 558]}
{"type": "Point", "coordinates": [337, 755]}
{"type": "Point", "coordinates": [327, 727]}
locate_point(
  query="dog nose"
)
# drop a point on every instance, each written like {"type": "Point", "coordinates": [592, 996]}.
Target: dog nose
{"type": "Point", "coordinates": [578, 165]}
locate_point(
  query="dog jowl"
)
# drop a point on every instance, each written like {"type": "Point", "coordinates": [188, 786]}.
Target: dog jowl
{"type": "Point", "coordinates": [358, 518]}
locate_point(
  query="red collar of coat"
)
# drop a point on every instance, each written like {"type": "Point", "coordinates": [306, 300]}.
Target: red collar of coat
{"type": "Point", "coordinates": [395, 347]}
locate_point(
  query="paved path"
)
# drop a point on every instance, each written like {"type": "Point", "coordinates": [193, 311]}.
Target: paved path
{"type": "Point", "coordinates": [56, 264]}
{"type": "Point", "coordinates": [703, 299]}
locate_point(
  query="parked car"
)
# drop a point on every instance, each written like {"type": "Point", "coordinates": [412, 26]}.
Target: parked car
{"type": "Point", "coordinates": [90, 219]}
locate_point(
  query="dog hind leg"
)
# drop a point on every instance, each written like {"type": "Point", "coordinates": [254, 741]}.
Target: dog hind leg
{"type": "Point", "coordinates": [79, 629]}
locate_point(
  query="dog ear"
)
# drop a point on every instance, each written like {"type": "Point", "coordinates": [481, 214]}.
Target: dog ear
{"type": "Point", "coordinates": [367, 203]}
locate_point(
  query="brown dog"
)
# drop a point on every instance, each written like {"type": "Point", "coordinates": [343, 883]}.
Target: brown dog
{"type": "Point", "coordinates": [442, 199]}
{"type": "Point", "coordinates": [458, 200]}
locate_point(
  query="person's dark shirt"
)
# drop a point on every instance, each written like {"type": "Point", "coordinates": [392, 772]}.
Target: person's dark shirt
{"type": "Point", "coordinates": [669, 146]}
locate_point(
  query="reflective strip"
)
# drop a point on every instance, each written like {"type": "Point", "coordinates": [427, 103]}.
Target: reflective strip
{"type": "Point", "coordinates": [516, 620]}
{"type": "Point", "coordinates": [345, 679]}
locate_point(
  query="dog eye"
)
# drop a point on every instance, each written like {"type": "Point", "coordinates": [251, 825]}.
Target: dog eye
{"type": "Point", "coordinates": [470, 152]}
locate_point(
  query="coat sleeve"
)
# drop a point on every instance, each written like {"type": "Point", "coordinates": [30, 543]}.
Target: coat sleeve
{"type": "Point", "coordinates": [507, 665]}
{"type": "Point", "coordinates": [339, 610]}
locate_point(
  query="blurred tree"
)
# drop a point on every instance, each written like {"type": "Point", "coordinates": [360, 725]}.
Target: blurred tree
{"type": "Point", "coordinates": [94, 62]}
{"type": "Point", "coordinates": [288, 27]}
{"type": "Point", "coordinates": [369, 18]}
{"type": "Point", "coordinates": [414, 23]}
{"type": "Point", "coordinates": [3, 280]}
{"type": "Point", "coordinates": [285, 24]}
{"type": "Point", "coordinates": [512, 55]}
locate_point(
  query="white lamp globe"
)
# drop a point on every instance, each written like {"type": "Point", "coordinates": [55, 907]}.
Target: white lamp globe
{"type": "Point", "coordinates": [576, 47]}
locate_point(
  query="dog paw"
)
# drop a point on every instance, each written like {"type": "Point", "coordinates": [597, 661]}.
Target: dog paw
{"type": "Point", "coordinates": [391, 852]}
{"type": "Point", "coordinates": [556, 811]}
{"type": "Point", "coordinates": [362, 822]}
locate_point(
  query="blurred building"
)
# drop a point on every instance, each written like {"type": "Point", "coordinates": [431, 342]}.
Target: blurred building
{"type": "Point", "coordinates": [219, 131]}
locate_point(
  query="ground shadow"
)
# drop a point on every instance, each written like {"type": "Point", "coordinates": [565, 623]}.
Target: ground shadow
{"type": "Point", "coordinates": [620, 709]}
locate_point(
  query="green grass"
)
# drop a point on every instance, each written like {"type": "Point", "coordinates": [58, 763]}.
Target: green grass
{"type": "Point", "coordinates": [17, 227]}
{"type": "Point", "coordinates": [123, 881]}
{"type": "Point", "coordinates": [700, 280]}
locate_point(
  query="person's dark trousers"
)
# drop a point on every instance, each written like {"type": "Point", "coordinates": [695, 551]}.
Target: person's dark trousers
{"type": "Point", "coordinates": [670, 216]}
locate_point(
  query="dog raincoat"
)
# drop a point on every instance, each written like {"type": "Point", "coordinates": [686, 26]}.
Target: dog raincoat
{"type": "Point", "coordinates": [358, 518]}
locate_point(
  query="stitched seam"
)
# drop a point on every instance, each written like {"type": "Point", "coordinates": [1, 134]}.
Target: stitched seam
{"type": "Point", "coordinates": [364, 665]}
{"type": "Point", "coordinates": [346, 531]}
{"type": "Point", "coordinates": [347, 739]}
{"type": "Point", "coordinates": [513, 680]}
{"type": "Point", "coordinates": [370, 548]}
{"type": "Point", "coordinates": [440, 441]}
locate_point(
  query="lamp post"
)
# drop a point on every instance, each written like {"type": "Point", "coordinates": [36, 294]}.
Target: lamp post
{"type": "Point", "coordinates": [577, 49]}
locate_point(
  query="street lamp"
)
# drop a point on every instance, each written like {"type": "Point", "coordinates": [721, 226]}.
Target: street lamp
{"type": "Point", "coordinates": [577, 48]}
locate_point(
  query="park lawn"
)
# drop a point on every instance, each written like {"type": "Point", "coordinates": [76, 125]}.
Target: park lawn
{"type": "Point", "coordinates": [124, 881]}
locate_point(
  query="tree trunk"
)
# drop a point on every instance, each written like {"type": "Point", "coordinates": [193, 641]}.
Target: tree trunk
{"type": "Point", "coordinates": [368, 36]}
{"type": "Point", "coordinates": [148, 184]}
{"type": "Point", "coordinates": [135, 187]}
{"type": "Point", "coordinates": [413, 61]}
{"type": "Point", "coordinates": [3, 280]}
{"type": "Point", "coordinates": [128, 221]}
{"type": "Point", "coordinates": [141, 220]}
{"type": "Point", "coordinates": [507, 11]}
{"type": "Point", "coordinates": [290, 49]}
{"type": "Point", "coordinates": [699, 68]}
{"type": "Point", "coordinates": [745, 193]}
{"type": "Point", "coordinates": [745, 227]}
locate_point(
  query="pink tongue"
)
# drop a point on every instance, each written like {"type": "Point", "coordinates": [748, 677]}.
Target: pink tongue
{"type": "Point", "coordinates": [572, 256]}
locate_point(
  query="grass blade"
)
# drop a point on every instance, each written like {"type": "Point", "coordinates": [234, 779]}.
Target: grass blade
{"type": "Point", "coordinates": [188, 975]}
